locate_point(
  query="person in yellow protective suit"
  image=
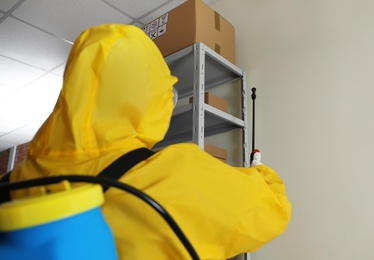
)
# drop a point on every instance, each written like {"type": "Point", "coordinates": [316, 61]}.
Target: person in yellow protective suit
{"type": "Point", "coordinates": [117, 96]}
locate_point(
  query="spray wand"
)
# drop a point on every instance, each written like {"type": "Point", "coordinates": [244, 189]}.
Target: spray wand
{"type": "Point", "coordinates": [253, 122]}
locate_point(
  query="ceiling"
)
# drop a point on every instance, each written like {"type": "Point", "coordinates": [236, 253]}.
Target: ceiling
{"type": "Point", "coordinates": [35, 39]}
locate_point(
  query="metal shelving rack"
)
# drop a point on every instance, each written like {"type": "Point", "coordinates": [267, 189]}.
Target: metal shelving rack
{"type": "Point", "coordinates": [199, 69]}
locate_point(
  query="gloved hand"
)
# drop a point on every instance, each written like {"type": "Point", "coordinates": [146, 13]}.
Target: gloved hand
{"type": "Point", "coordinates": [256, 157]}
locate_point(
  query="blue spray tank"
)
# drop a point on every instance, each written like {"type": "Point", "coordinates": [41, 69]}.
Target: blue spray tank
{"type": "Point", "coordinates": [56, 222]}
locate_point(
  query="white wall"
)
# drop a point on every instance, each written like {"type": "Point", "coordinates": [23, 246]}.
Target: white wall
{"type": "Point", "coordinates": [313, 65]}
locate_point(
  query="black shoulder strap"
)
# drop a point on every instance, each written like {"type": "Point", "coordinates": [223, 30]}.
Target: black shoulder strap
{"type": "Point", "coordinates": [115, 170]}
{"type": "Point", "coordinates": [4, 195]}
{"type": "Point", "coordinates": [124, 163]}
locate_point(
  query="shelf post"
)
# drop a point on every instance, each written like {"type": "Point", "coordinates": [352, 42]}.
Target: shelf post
{"type": "Point", "coordinates": [198, 96]}
{"type": "Point", "coordinates": [246, 162]}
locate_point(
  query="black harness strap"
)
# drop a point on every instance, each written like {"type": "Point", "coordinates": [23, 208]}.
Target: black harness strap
{"type": "Point", "coordinates": [5, 195]}
{"type": "Point", "coordinates": [124, 163]}
{"type": "Point", "coordinates": [115, 170]}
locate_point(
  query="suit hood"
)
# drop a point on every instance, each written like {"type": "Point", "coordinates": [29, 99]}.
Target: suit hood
{"type": "Point", "coordinates": [116, 95]}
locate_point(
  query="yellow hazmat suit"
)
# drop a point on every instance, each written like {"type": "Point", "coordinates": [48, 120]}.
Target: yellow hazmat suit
{"type": "Point", "coordinates": [116, 97]}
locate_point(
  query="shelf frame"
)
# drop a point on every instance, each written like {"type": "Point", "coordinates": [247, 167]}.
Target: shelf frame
{"type": "Point", "coordinates": [199, 69]}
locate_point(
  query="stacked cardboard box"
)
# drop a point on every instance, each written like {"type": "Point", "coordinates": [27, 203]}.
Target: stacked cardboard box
{"type": "Point", "coordinates": [214, 101]}
{"type": "Point", "coordinates": [191, 22]}
{"type": "Point", "coordinates": [217, 152]}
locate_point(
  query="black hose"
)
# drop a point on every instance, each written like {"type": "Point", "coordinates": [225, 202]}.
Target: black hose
{"type": "Point", "coordinates": [108, 181]}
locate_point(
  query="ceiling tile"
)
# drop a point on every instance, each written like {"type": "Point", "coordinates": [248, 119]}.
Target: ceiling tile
{"type": "Point", "coordinates": [136, 8]}
{"type": "Point", "coordinates": [7, 4]}
{"type": "Point", "coordinates": [32, 46]}
{"type": "Point", "coordinates": [5, 145]}
{"type": "Point", "coordinates": [6, 91]}
{"type": "Point", "coordinates": [77, 15]}
{"type": "Point", "coordinates": [171, 5]}
{"type": "Point", "coordinates": [6, 126]}
{"type": "Point", "coordinates": [60, 69]}
{"type": "Point", "coordinates": [27, 130]}
{"type": "Point", "coordinates": [15, 139]}
{"type": "Point", "coordinates": [16, 74]}
{"type": "Point", "coordinates": [32, 103]}
{"type": "Point", "coordinates": [139, 25]}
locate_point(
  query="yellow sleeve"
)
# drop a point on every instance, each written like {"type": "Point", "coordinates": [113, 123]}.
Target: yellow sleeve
{"type": "Point", "coordinates": [279, 211]}
{"type": "Point", "coordinates": [273, 181]}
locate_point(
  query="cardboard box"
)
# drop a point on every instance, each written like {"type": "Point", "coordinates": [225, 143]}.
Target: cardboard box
{"type": "Point", "coordinates": [217, 152]}
{"type": "Point", "coordinates": [214, 101]}
{"type": "Point", "coordinates": [191, 22]}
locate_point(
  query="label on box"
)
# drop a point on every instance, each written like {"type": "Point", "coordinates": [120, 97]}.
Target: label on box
{"type": "Point", "coordinates": [157, 27]}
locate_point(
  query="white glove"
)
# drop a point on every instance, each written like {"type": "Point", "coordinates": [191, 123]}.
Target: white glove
{"type": "Point", "coordinates": [256, 158]}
